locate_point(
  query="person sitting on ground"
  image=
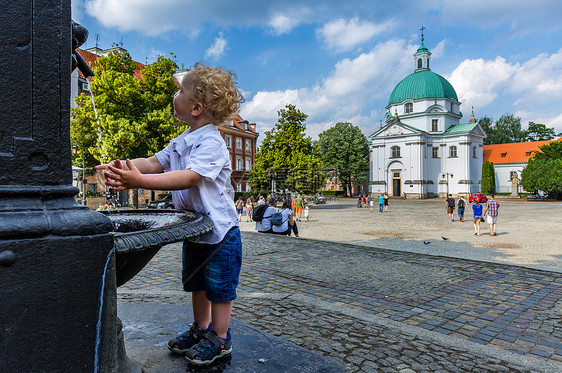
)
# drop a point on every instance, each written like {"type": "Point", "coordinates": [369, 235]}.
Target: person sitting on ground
{"type": "Point", "coordinates": [477, 214]}
{"type": "Point", "coordinates": [264, 226]}
{"type": "Point", "coordinates": [288, 223]}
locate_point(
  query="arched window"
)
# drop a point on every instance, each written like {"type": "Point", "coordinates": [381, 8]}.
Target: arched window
{"type": "Point", "coordinates": [408, 108]}
{"type": "Point", "coordinates": [395, 152]}
{"type": "Point", "coordinates": [453, 152]}
{"type": "Point", "coordinates": [419, 63]}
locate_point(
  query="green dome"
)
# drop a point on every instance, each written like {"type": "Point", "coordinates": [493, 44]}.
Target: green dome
{"type": "Point", "coordinates": [422, 84]}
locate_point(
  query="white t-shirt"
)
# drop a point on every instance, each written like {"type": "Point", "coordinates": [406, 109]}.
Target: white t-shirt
{"type": "Point", "coordinates": [265, 224]}
{"type": "Point", "coordinates": [204, 152]}
{"type": "Point", "coordinates": [283, 227]}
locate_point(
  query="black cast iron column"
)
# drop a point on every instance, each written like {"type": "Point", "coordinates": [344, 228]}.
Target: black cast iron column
{"type": "Point", "coordinates": [53, 252]}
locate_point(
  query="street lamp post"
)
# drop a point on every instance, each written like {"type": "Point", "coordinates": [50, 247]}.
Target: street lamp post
{"type": "Point", "coordinates": [447, 174]}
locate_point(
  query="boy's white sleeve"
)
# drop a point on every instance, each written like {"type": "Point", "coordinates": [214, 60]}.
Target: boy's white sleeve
{"type": "Point", "coordinates": [208, 158]}
{"type": "Point", "coordinates": [163, 157]}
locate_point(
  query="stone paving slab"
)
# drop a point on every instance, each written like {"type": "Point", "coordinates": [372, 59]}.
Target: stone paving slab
{"type": "Point", "coordinates": [148, 327]}
{"type": "Point", "coordinates": [311, 292]}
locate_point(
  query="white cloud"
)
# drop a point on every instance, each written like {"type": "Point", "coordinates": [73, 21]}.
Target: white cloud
{"type": "Point", "coordinates": [478, 82]}
{"type": "Point", "coordinates": [337, 98]}
{"type": "Point", "coordinates": [343, 35]}
{"type": "Point", "coordinates": [281, 24]}
{"type": "Point", "coordinates": [217, 50]}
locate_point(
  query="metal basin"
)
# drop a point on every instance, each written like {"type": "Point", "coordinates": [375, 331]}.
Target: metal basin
{"type": "Point", "coordinates": [140, 234]}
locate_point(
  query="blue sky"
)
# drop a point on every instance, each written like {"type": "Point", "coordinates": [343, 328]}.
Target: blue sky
{"type": "Point", "coordinates": [339, 61]}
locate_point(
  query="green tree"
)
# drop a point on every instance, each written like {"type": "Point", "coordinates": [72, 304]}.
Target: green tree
{"type": "Point", "coordinates": [506, 130]}
{"type": "Point", "coordinates": [134, 116]}
{"type": "Point", "coordinates": [544, 170]}
{"type": "Point", "coordinates": [287, 156]}
{"type": "Point", "coordinates": [539, 132]}
{"type": "Point", "coordinates": [488, 181]}
{"type": "Point", "coordinates": [344, 149]}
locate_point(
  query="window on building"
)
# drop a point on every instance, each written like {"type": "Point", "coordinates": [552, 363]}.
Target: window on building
{"type": "Point", "coordinates": [248, 146]}
{"type": "Point", "coordinates": [92, 188]}
{"type": "Point", "coordinates": [395, 152]}
{"type": "Point", "coordinates": [435, 125]}
{"type": "Point", "coordinates": [528, 154]}
{"type": "Point", "coordinates": [503, 155]}
{"type": "Point", "coordinates": [238, 187]}
{"type": "Point", "coordinates": [452, 152]}
{"type": "Point", "coordinates": [408, 108]}
{"type": "Point", "coordinates": [238, 143]}
{"type": "Point", "coordinates": [248, 166]}
{"type": "Point", "coordinates": [452, 107]}
{"type": "Point", "coordinates": [435, 152]}
{"type": "Point", "coordinates": [419, 63]}
{"type": "Point", "coordinates": [239, 164]}
{"type": "Point", "coordinates": [228, 141]}
{"type": "Point", "coordinates": [248, 188]}
{"type": "Point", "coordinates": [474, 152]}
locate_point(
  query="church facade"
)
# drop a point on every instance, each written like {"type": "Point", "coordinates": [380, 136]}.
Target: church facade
{"type": "Point", "coordinates": [424, 150]}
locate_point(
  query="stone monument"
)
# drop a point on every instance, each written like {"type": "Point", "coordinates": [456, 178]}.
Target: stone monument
{"type": "Point", "coordinates": [514, 185]}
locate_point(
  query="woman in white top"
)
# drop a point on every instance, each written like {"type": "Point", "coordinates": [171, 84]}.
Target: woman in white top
{"type": "Point", "coordinates": [288, 223]}
{"type": "Point", "coordinates": [264, 226]}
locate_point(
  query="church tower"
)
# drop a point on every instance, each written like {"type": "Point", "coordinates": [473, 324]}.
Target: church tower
{"type": "Point", "coordinates": [422, 56]}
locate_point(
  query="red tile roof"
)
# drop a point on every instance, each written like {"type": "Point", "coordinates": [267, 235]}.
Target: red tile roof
{"type": "Point", "coordinates": [92, 58]}
{"type": "Point", "coordinates": [517, 152]}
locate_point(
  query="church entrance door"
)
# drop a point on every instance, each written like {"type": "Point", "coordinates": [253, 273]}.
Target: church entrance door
{"type": "Point", "coordinates": [396, 183]}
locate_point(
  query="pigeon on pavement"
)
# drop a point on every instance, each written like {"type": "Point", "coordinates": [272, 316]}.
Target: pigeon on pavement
{"type": "Point", "coordinates": [426, 242]}
{"type": "Point", "coordinates": [444, 238]}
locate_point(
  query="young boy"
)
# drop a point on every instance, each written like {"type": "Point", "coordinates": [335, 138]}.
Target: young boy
{"type": "Point", "coordinates": [197, 169]}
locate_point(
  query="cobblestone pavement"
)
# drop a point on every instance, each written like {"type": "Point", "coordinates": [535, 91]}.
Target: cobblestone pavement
{"type": "Point", "coordinates": [381, 310]}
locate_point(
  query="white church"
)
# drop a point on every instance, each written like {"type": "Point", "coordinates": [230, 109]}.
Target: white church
{"type": "Point", "coordinates": [423, 150]}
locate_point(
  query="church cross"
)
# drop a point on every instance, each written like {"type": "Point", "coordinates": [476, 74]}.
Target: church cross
{"type": "Point", "coordinates": [422, 28]}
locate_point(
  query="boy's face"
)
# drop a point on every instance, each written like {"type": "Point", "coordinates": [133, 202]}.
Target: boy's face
{"type": "Point", "coordinates": [183, 105]}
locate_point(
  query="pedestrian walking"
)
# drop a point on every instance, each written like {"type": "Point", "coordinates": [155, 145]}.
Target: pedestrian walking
{"type": "Point", "coordinates": [491, 212]}
{"type": "Point", "coordinates": [371, 204]}
{"type": "Point", "coordinates": [306, 213]}
{"type": "Point", "coordinates": [299, 203]}
{"type": "Point", "coordinates": [450, 203]}
{"type": "Point", "coordinates": [461, 204]}
{"type": "Point", "coordinates": [381, 203]}
{"type": "Point", "coordinates": [477, 216]}
{"type": "Point", "coordinates": [239, 207]}
{"type": "Point", "coordinates": [386, 202]}
{"type": "Point", "coordinates": [249, 209]}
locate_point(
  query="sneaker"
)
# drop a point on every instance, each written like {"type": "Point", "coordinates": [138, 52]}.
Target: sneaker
{"type": "Point", "coordinates": [210, 348]}
{"type": "Point", "coordinates": [184, 342]}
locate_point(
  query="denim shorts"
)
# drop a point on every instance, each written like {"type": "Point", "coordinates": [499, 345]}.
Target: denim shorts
{"type": "Point", "coordinates": [213, 268]}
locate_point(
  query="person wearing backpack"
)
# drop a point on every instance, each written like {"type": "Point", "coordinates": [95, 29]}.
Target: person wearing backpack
{"type": "Point", "coordinates": [263, 225]}
{"type": "Point", "coordinates": [288, 223]}
{"type": "Point", "coordinates": [450, 203]}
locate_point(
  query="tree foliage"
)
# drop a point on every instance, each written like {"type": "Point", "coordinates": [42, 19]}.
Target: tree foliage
{"type": "Point", "coordinates": [287, 156]}
{"type": "Point", "coordinates": [539, 132]}
{"type": "Point", "coordinates": [134, 114]}
{"type": "Point", "coordinates": [544, 170]}
{"type": "Point", "coordinates": [508, 129]}
{"type": "Point", "coordinates": [488, 181]}
{"type": "Point", "coordinates": [344, 149]}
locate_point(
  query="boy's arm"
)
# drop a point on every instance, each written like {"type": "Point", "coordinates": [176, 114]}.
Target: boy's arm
{"type": "Point", "coordinates": [121, 179]}
{"type": "Point", "coordinates": [149, 165]}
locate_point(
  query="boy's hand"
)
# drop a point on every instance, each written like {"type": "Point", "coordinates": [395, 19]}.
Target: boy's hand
{"type": "Point", "coordinates": [120, 179]}
{"type": "Point", "coordinates": [115, 163]}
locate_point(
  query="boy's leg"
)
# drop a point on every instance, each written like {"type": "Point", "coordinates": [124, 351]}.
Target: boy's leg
{"type": "Point", "coordinates": [221, 318]}
{"type": "Point", "coordinates": [201, 309]}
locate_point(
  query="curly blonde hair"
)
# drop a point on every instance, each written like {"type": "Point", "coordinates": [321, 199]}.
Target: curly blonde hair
{"type": "Point", "coordinates": [216, 89]}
